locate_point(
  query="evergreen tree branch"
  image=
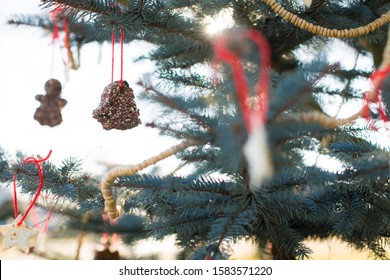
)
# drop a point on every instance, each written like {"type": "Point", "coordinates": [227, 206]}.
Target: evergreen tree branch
{"type": "Point", "coordinates": [134, 19]}
{"type": "Point", "coordinates": [200, 185]}
{"type": "Point", "coordinates": [170, 102]}
{"type": "Point", "coordinates": [379, 3]}
{"type": "Point", "coordinates": [316, 4]}
{"type": "Point", "coordinates": [322, 119]}
{"type": "Point", "coordinates": [166, 130]}
{"type": "Point", "coordinates": [74, 6]}
{"type": "Point", "coordinates": [291, 101]}
{"type": "Point", "coordinates": [34, 21]}
{"type": "Point", "coordinates": [239, 217]}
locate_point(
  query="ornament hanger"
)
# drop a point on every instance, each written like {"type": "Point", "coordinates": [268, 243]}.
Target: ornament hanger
{"type": "Point", "coordinates": [55, 16]}
{"type": "Point", "coordinates": [121, 41]}
{"type": "Point", "coordinates": [255, 149]}
{"type": "Point", "coordinates": [223, 54]}
{"type": "Point", "coordinates": [37, 162]}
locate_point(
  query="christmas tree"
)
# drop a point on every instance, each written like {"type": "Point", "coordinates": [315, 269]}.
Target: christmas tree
{"type": "Point", "coordinates": [249, 107]}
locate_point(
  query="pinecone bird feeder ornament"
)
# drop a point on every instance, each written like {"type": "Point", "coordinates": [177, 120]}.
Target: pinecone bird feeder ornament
{"type": "Point", "coordinates": [49, 112]}
{"type": "Point", "coordinates": [117, 108]}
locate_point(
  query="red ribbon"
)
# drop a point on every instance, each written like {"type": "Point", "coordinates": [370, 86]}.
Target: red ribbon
{"type": "Point", "coordinates": [222, 53]}
{"type": "Point", "coordinates": [54, 15]}
{"type": "Point", "coordinates": [38, 164]}
{"type": "Point", "coordinates": [45, 226]}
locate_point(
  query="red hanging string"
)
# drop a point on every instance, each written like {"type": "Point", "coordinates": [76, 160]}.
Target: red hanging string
{"type": "Point", "coordinates": [35, 218]}
{"type": "Point", "coordinates": [66, 39]}
{"type": "Point", "coordinates": [375, 95]}
{"type": "Point", "coordinates": [38, 164]}
{"type": "Point", "coordinates": [222, 53]}
{"type": "Point", "coordinates": [54, 17]}
{"type": "Point", "coordinates": [122, 38]}
{"type": "Point", "coordinates": [56, 31]}
{"type": "Point", "coordinates": [113, 4]}
{"type": "Point", "coordinates": [264, 75]}
{"type": "Point", "coordinates": [238, 73]}
{"type": "Point", "coordinates": [112, 53]}
{"type": "Point", "coordinates": [121, 41]}
{"type": "Point", "coordinates": [48, 218]}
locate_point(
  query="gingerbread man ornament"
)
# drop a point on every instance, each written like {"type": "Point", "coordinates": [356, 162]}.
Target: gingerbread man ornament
{"type": "Point", "coordinates": [49, 112]}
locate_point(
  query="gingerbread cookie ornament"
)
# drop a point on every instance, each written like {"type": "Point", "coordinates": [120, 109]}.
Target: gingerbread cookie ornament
{"type": "Point", "coordinates": [49, 112]}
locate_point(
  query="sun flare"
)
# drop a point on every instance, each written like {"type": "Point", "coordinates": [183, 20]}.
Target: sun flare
{"type": "Point", "coordinates": [218, 23]}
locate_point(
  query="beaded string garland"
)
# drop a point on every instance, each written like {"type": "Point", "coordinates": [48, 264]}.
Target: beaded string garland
{"type": "Point", "coordinates": [112, 206]}
{"type": "Point", "coordinates": [323, 31]}
{"type": "Point", "coordinates": [253, 109]}
{"type": "Point", "coordinates": [18, 233]}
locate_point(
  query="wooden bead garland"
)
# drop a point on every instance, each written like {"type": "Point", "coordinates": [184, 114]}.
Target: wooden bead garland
{"type": "Point", "coordinates": [113, 210]}
{"type": "Point", "coordinates": [327, 32]}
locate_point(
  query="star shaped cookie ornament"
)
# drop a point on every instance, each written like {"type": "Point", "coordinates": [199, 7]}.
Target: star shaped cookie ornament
{"type": "Point", "coordinates": [13, 235]}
